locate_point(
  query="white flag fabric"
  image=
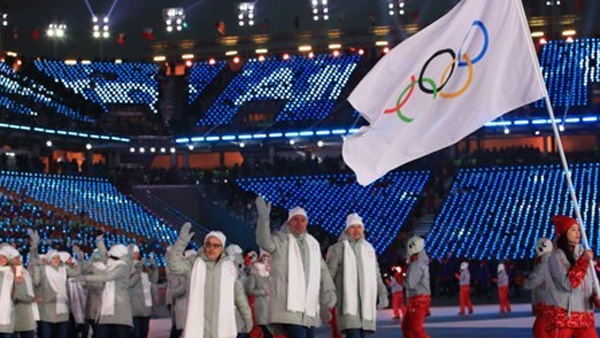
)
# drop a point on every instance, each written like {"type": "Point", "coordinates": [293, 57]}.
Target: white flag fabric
{"type": "Point", "coordinates": [469, 67]}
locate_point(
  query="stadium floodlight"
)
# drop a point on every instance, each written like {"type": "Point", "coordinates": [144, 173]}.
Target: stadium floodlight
{"type": "Point", "coordinates": [56, 30]}
{"type": "Point", "coordinates": [396, 7]}
{"type": "Point", "coordinates": [174, 19]}
{"type": "Point", "coordinates": [320, 10]}
{"type": "Point", "coordinates": [100, 30]}
{"type": "Point", "coordinates": [245, 13]}
{"type": "Point", "coordinates": [4, 18]}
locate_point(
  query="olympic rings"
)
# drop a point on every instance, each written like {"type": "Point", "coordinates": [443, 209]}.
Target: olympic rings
{"type": "Point", "coordinates": [486, 40]}
{"type": "Point", "coordinates": [460, 60]}
{"type": "Point", "coordinates": [439, 52]}
{"type": "Point", "coordinates": [410, 88]}
{"type": "Point", "coordinates": [465, 86]}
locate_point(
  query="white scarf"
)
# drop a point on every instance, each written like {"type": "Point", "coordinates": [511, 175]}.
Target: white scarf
{"type": "Point", "coordinates": [29, 284]}
{"type": "Point", "coordinates": [369, 281]}
{"type": "Point", "coordinates": [58, 282]}
{"type": "Point", "coordinates": [194, 323]}
{"type": "Point", "coordinates": [300, 297]}
{"type": "Point", "coordinates": [6, 303]}
{"type": "Point", "coordinates": [108, 294]}
{"type": "Point", "coordinates": [77, 296]}
{"type": "Point", "coordinates": [147, 286]}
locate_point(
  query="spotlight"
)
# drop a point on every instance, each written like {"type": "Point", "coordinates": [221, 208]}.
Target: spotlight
{"type": "Point", "coordinates": [48, 143]}
{"type": "Point", "coordinates": [172, 150]}
{"type": "Point", "coordinates": [506, 131]}
{"type": "Point", "coordinates": [132, 150]}
{"type": "Point", "coordinates": [88, 146]}
{"type": "Point", "coordinates": [174, 15]}
{"type": "Point", "coordinates": [292, 142]}
{"type": "Point", "coordinates": [561, 128]}
{"type": "Point", "coordinates": [142, 150]}
{"type": "Point", "coordinates": [212, 61]}
{"type": "Point", "coordinates": [152, 150]}
{"type": "Point", "coordinates": [245, 11]}
{"type": "Point", "coordinates": [162, 150]}
{"type": "Point", "coordinates": [242, 144]}
{"type": "Point", "coordinates": [190, 147]}
{"type": "Point", "coordinates": [320, 144]}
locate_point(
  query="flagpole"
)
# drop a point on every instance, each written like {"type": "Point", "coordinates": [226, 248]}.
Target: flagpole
{"type": "Point", "coordinates": [572, 192]}
{"type": "Point", "coordinates": [559, 145]}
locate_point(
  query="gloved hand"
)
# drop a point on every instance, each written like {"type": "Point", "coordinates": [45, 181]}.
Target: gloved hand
{"type": "Point", "coordinates": [330, 299]}
{"type": "Point", "coordinates": [152, 259]}
{"type": "Point", "coordinates": [325, 315]}
{"type": "Point", "coordinates": [248, 325]}
{"type": "Point", "coordinates": [78, 252]}
{"type": "Point", "coordinates": [34, 237]}
{"type": "Point", "coordinates": [383, 302]}
{"type": "Point", "coordinates": [263, 208]}
{"type": "Point", "coordinates": [184, 234]}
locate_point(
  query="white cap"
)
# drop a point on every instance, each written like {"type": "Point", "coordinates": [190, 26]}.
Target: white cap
{"type": "Point", "coordinates": [543, 246]}
{"type": "Point", "coordinates": [64, 256]}
{"type": "Point", "coordinates": [234, 249]}
{"type": "Point", "coordinates": [297, 211]}
{"type": "Point", "coordinates": [118, 250]}
{"type": "Point", "coordinates": [218, 235]}
{"type": "Point", "coordinates": [51, 254]}
{"type": "Point", "coordinates": [464, 265]}
{"type": "Point", "coordinates": [354, 219]}
{"type": "Point", "coordinates": [136, 248]}
{"type": "Point", "coordinates": [189, 253]}
{"type": "Point", "coordinates": [500, 267]}
{"type": "Point", "coordinates": [415, 245]}
{"type": "Point", "coordinates": [9, 252]}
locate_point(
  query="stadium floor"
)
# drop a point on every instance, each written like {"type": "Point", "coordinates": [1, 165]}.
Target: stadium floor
{"type": "Point", "coordinates": [444, 322]}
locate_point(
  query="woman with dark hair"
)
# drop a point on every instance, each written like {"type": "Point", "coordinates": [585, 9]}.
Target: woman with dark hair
{"type": "Point", "coordinates": [571, 302]}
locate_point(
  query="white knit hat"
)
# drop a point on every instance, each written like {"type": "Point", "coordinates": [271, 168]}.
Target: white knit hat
{"type": "Point", "coordinates": [500, 267]}
{"type": "Point", "coordinates": [118, 250]}
{"type": "Point", "coordinates": [464, 265]}
{"type": "Point", "coordinates": [354, 219]}
{"type": "Point", "coordinates": [234, 249]}
{"type": "Point", "coordinates": [51, 254]}
{"type": "Point", "coordinates": [297, 211]}
{"type": "Point", "coordinates": [136, 248]}
{"type": "Point", "coordinates": [218, 235]}
{"type": "Point", "coordinates": [415, 245]}
{"type": "Point", "coordinates": [9, 252]}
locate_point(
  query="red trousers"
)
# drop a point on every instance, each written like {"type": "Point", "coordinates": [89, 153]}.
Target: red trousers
{"type": "Point", "coordinates": [540, 327]}
{"type": "Point", "coordinates": [589, 332]}
{"type": "Point", "coordinates": [465, 298]}
{"type": "Point", "coordinates": [414, 319]}
{"type": "Point", "coordinates": [398, 304]}
{"type": "Point", "coordinates": [503, 297]}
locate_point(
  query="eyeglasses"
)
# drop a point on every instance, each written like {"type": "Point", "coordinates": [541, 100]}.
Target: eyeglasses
{"type": "Point", "coordinates": [213, 245]}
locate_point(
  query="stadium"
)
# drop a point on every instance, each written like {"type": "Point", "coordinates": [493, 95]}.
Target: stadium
{"type": "Point", "coordinates": [141, 132]}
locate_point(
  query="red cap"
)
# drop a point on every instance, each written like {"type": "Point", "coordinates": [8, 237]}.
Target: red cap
{"type": "Point", "coordinates": [562, 224]}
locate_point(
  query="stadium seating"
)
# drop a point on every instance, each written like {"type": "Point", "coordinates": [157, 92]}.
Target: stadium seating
{"type": "Point", "coordinates": [328, 199]}
{"type": "Point", "coordinates": [126, 220]}
{"type": "Point", "coordinates": [500, 212]}
{"type": "Point", "coordinates": [309, 87]}
{"type": "Point", "coordinates": [569, 69]}
{"type": "Point", "coordinates": [108, 83]}
{"type": "Point", "coordinates": [21, 95]}
{"type": "Point", "coordinates": [201, 75]}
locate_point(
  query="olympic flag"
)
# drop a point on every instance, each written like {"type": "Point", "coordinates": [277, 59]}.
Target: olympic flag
{"type": "Point", "coordinates": [469, 67]}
